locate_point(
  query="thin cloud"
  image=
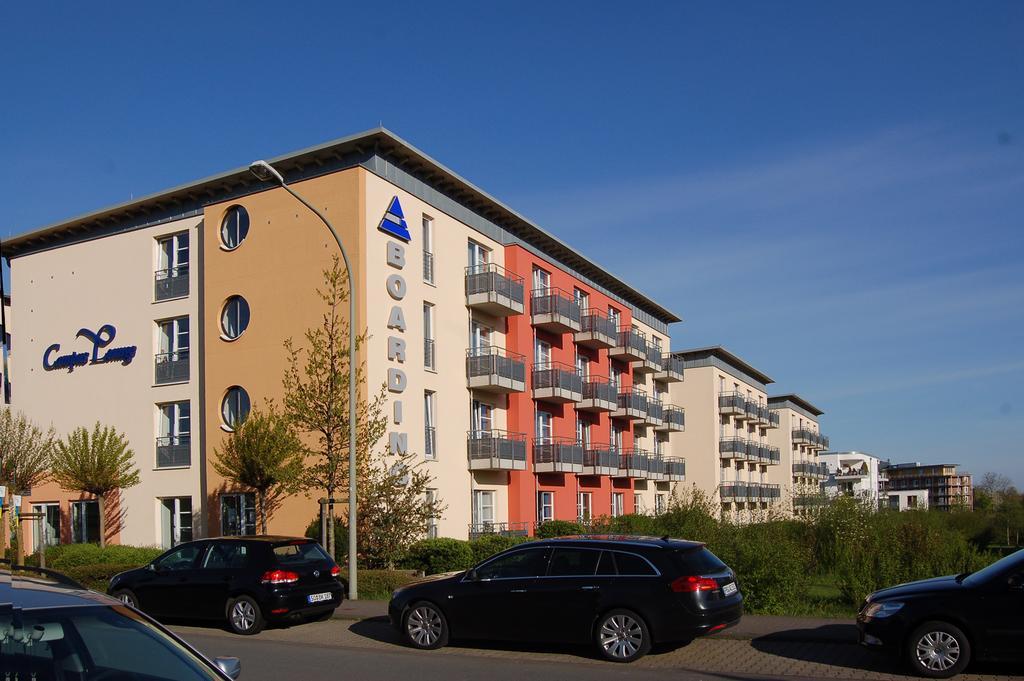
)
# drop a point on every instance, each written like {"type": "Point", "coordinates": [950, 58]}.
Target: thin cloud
{"type": "Point", "coordinates": [876, 387]}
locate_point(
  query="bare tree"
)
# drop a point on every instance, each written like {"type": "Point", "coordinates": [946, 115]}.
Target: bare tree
{"type": "Point", "coordinates": [26, 453]}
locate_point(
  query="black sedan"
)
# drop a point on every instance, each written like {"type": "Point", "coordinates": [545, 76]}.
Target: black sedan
{"type": "Point", "coordinates": [245, 580]}
{"type": "Point", "coordinates": [940, 624]}
{"type": "Point", "coordinates": [620, 593]}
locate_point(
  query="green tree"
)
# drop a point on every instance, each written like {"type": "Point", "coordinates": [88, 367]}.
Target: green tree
{"type": "Point", "coordinates": [97, 463]}
{"type": "Point", "coordinates": [265, 455]}
{"type": "Point", "coordinates": [26, 453]}
{"type": "Point", "coordinates": [316, 385]}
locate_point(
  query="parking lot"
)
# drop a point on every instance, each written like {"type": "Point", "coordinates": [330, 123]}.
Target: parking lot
{"type": "Point", "coordinates": [371, 649]}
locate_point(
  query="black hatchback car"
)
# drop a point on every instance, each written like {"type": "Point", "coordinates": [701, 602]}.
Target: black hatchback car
{"type": "Point", "coordinates": [620, 593]}
{"type": "Point", "coordinates": [245, 580]}
{"type": "Point", "coordinates": [939, 625]}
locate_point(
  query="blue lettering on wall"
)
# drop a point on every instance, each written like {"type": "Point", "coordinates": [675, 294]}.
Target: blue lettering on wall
{"type": "Point", "coordinates": [100, 339]}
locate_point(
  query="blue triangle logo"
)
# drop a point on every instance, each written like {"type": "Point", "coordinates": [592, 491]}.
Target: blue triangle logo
{"type": "Point", "coordinates": [393, 222]}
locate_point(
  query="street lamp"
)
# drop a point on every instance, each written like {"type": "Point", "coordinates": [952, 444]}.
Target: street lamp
{"type": "Point", "coordinates": [267, 173]}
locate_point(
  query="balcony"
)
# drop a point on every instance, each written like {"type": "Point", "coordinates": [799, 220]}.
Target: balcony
{"type": "Point", "coordinates": [496, 450]}
{"type": "Point", "coordinates": [630, 346]}
{"type": "Point", "coordinates": [771, 492]}
{"type": "Point", "coordinates": [671, 369]}
{"type": "Point", "coordinates": [673, 419]}
{"type": "Point", "coordinates": [852, 472]}
{"type": "Point", "coordinates": [656, 467]}
{"type": "Point", "coordinates": [552, 310]}
{"type": "Point", "coordinates": [770, 455]}
{"type": "Point", "coordinates": [733, 491]}
{"type": "Point", "coordinates": [634, 463]}
{"type": "Point", "coordinates": [556, 382]}
{"type": "Point", "coordinates": [655, 413]}
{"type": "Point", "coordinates": [732, 404]}
{"type": "Point", "coordinates": [494, 291]}
{"type": "Point", "coordinates": [597, 330]}
{"type": "Point", "coordinates": [675, 469]}
{"type": "Point", "coordinates": [631, 404]}
{"type": "Point", "coordinates": [599, 459]}
{"type": "Point", "coordinates": [171, 367]}
{"type": "Point", "coordinates": [173, 451]}
{"type": "Point", "coordinates": [651, 362]}
{"type": "Point", "coordinates": [557, 455]}
{"type": "Point", "coordinates": [810, 470]}
{"type": "Point", "coordinates": [495, 370]}
{"type": "Point", "coordinates": [599, 395]}
{"type": "Point", "coordinates": [751, 410]}
{"type": "Point", "coordinates": [429, 354]}
{"type": "Point", "coordinates": [477, 530]}
{"type": "Point", "coordinates": [802, 436]}
{"type": "Point", "coordinates": [170, 283]}
{"type": "Point", "coordinates": [773, 418]}
{"type": "Point", "coordinates": [763, 415]}
{"type": "Point", "coordinates": [753, 450]}
{"type": "Point", "coordinates": [733, 448]}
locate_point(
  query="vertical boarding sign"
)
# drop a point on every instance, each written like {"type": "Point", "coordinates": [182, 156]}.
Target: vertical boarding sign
{"type": "Point", "coordinates": [393, 224]}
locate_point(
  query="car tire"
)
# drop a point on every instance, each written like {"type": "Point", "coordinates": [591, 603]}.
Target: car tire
{"type": "Point", "coordinates": [245, 616]}
{"type": "Point", "coordinates": [622, 636]}
{"type": "Point", "coordinates": [128, 597]}
{"type": "Point", "coordinates": [424, 626]}
{"type": "Point", "coordinates": [938, 650]}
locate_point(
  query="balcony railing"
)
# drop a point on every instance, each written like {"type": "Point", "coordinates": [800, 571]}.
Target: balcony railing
{"type": "Point", "coordinates": [656, 467]}
{"type": "Point", "coordinates": [749, 411]}
{"type": "Point", "coordinates": [634, 463]}
{"type": "Point", "coordinates": [673, 419]}
{"type": "Point", "coordinates": [173, 451]}
{"type": "Point", "coordinates": [170, 283]}
{"type": "Point", "coordinates": [491, 289]}
{"type": "Point", "coordinates": [171, 367]}
{"type": "Point", "coordinates": [810, 470]}
{"type": "Point", "coordinates": [733, 491]}
{"type": "Point", "coordinates": [655, 412]}
{"type": "Point", "coordinates": [477, 530]}
{"type": "Point", "coordinates": [496, 450]}
{"type": "Point", "coordinates": [496, 370]}
{"type": "Point", "coordinates": [803, 436]}
{"type": "Point", "coordinates": [732, 404]}
{"type": "Point", "coordinates": [671, 369]}
{"type": "Point", "coordinates": [630, 346]}
{"type": "Point", "coordinates": [599, 459]}
{"type": "Point", "coordinates": [631, 404]}
{"type": "Point", "coordinates": [428, 267]}
{"type": "Point", "coordinates": [651, 361]}
{"type": "Point", "coordinates": [597, 330]}
{"type": "Point", "coordinates": [675, 469]}
{"type": "Point", "coordinates": [733, 448]}
{"type": "Point", "coordinates": [553, 310]}
{"type": "Point", "coordinates": [769, 454]}
{"type": "Point", "coordinates": [429, 354]}
{"type": "Point", "coordinates": [430, 442]}
{"type": "Point", "coordinates": [557, 455]}
{"type": "Point", "coordinates": [556, 382]}
{"type": "Point", "coordinates": [773, 418]}
{"type": "Point", "coordinates": [599, 395]}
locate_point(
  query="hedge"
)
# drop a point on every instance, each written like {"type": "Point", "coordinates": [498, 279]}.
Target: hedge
{"type": "Point", "coordinates": [67, 556]}
{"type": "Point", "coordinates": [96, 577]}
{"type": "Point", "coordinates": [377, 585]}
{"type": "Point", "coordinates": [433, 556]}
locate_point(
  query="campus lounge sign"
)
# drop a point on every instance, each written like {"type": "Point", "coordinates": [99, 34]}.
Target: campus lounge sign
{"type": "Point", "coordinates": [99, 353]}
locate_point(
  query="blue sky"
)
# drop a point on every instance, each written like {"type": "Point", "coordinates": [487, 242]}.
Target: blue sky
{"type": "Point", "coordinates": [833, 191]}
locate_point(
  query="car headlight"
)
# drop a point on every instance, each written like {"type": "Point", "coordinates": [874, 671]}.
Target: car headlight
{"type": "Point", "coordinates": [882, 610]}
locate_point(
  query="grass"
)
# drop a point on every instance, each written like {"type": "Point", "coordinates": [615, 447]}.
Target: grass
{"type": "Point", "coordinates": [823, 599]}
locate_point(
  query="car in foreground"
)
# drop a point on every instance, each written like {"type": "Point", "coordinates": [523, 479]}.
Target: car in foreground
{"type": "Point", "coordinates": [53, 628]}
{"type": "Point", "coordinates": [622, 594]}
{"type": "Point", "coordinates": [939, 625]}
{"type": "Point", "coordinates": [246, 581]}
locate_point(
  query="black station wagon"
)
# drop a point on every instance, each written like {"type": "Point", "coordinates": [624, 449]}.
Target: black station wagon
{"type": "Point", "coordinates": [621, 593]}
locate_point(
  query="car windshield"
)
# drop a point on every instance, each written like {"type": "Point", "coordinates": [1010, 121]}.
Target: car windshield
{"type": "Point", "coordinates": [1014, 561]}
{"type": "Point", "coordinates": [296, 553]}
{"type": "Point", "coordinates": [92, 643]}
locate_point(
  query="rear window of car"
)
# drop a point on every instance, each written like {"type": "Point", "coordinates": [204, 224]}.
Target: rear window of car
{"type": "Point", "coordinates": [632, 564]}
{"type": "Point", "coordinates": [296, 553]}
{"type": "Point", "coordinates": [699, 561]}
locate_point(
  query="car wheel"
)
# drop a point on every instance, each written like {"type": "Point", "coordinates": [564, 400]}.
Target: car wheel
{"type": "Point", "coordinates": [127, 597]}
{"type": "Point", "coordinates": [424, 626]}
{"type": "Point", "coordinates": [244, 616]}
{"type": "Point", "coordinates": [938, 650]}
{"type": "Point", "coordinates": [622, 636]}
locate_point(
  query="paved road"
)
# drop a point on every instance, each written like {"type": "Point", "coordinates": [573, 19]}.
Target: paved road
{"type": "Point", "coordinates": [370, 649]}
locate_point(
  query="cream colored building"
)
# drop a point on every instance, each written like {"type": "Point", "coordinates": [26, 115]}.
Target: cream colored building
{"type": "Point", "coordinates": [800, 440]}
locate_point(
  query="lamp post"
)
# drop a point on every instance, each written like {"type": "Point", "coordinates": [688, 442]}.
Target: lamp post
{"type": "Point", "coordinates": [266, 172]}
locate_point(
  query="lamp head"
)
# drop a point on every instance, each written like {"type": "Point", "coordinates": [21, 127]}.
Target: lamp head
{"type": "Point", "coordinates": [265, 172]}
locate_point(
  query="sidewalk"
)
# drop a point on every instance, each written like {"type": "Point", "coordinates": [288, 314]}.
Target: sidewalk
{"type": "Point", "coordinates": [769, 627]}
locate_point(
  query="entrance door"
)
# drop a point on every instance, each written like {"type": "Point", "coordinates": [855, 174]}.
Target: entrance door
{"type": "Point", "coordinates": [175, 521]}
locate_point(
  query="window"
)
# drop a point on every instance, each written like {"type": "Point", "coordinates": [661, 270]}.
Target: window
{"type": "Point", "coordinates": [173, 335]}
{"type": "Point", "coordinates": [582, 432]}
{"type": "Point", "coordinates": [545, 506]}
{"type": "Point", "coordinates": [238, 514]}
{"type": "Point", "coordinates": [479, 336]}
{"type": "Point", "coordinates": [615, 317]}
{"type": "Point", "coordinates": [633, 565]}
{"type": "Point", "coordinates": [606, 566]}
{"type": "Point", "coordinates": [428, 249]}
{"type": "Point", "coordinates": [638, 504]}
{"type": "Point", "coordinates": [183, 558]}
{"type": "Point", "coordinates": [659, 503]}
{"type": "Point", "coordinates": [618, 504]}
{"type": "Point", "coordinates": [721, 384]}
{"type": "Point", "coordinates": [234, 319]}
{"type": "Point", "coordinates": [583, 365]}
{"type": "Point", "coordinates": [517, 565]}
{"type": "Point", "coordinates": [85, 522]}
{"type": "Point", "coordinates": [479, 256]}
{"type": "Point", "coordinates": [483, 507]}
{"type": "Point", "coordinates": [482, 415]}
{"type": "Point", "coordinates": [226, 555]}
{"type": "Point", "coordinates": [543, 426]}
{"type": "Point", "coordinates": [173, 446]}
{"type": "Point", "coordinates": [175, 521]}
{"type": "Point", "coordinates": [429, 432]}
{"type": "Point", "coordinates": [573, 562]}
{"type": "Point", "coordinates": [582, 298]}
{"type": "Point", "coordinates": [542, 352]}
{"type": "Point", "coordinates": [234, 228]}
{"type": "Point", "coordinates": [49, 533]}
{"type": "Point", "coordinates": [616, 378]}
{"type": "Point", "coordinates": [541, 280]}
{"type": "Point", "coordinates": [584, 507]}
{"type": "Point", "coordinates": [428, 337]}
{"type": "Point", "coordinates": [174, 254]}
{"type": "Point", "coordinates": [616, 442]}
{"type": "Point", "coordinates": [432, 520]}
{"type": "Point", "coordinates": [235, 407]}
{"type": "Point", "coordinates": [658, 442]}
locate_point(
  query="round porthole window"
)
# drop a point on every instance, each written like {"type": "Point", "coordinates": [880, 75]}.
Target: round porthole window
{"type": "Point", "coordinates": [235, 407]}
{"type": "Point", "coordinates": [234, 319]}
{"type": "Point", "coordinates": [234, 228]}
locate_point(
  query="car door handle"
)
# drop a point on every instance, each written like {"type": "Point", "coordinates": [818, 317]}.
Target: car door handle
{"type": "Point", "coordinates": [590, 588]}
{"type": "Point", "coordinates": [518, 591]}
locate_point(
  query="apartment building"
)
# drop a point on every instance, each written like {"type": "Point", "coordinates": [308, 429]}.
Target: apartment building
{"type": "Point", "coordinates": [854, 474]}
{"type": "Point", "coordinates": [543, 389]}
{"type": "Point", "coordinates": [800, 440]}
{"type": "Point", "coordinates": [947, 488]}
{"type": "Point", "coordinates": [727, 441]}
{"type": "Point", "coordinates": [908, 500]}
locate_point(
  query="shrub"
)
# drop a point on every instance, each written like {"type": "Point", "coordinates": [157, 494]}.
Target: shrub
{"type": "Point", "coordinates": [489, 544]}
{"type": "Point", "coordinates": [67, 556]}
{"type": "Point", "coordinates": [340, 536]}
{"type": "Point", "coordinates": [558, 528]}
{"type": "Point", "coordinates": [771, 567]}
{"type": "Point", "coordinates": [628, 524]}
{"type": "Point", "coordinates": [433, 556]}
{"type": "Point", "coordinates": [96, 577]}
{"type": "Point", "coordinates": [377, 585]}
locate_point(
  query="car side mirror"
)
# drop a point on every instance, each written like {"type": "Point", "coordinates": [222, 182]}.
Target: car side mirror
{"type": "Point", "coordinates": [472, 576]}
{"type": "Point", "coordinates": [152, 567]}
{"type": "Point", "coordinates": [231, 666]}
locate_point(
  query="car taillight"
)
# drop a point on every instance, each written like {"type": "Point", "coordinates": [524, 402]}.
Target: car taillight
{"type": "Point", "coordinates": [692, 584]}
{"type": "Point", "coordinates": [335, 571]}
{"type": "Point", "coordinates": [279, 577]}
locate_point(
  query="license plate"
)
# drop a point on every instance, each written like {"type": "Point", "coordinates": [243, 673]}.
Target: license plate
{"type": "Point", "coordinates": [319, 598]}
{"type": "Point", "coordinates": [729, 589]}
